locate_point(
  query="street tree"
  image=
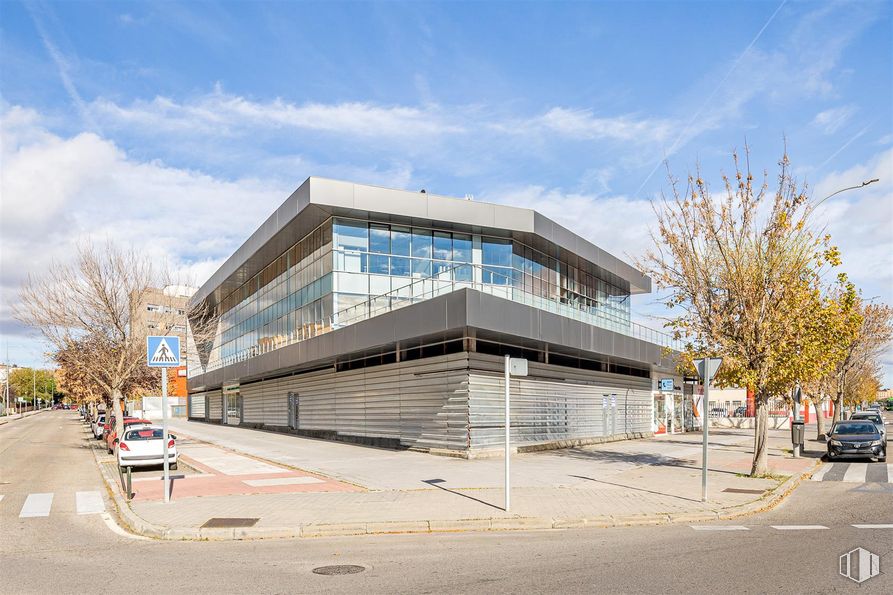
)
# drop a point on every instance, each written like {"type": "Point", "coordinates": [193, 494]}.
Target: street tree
{"type": "Point", "coordinates": [742, 270]}
{"type": "Point", "coordinates": [88, 311]}
{"type": "Point", "coordinates": [858, 351]}
{"type": "Point", "coordinates": [30, 383]}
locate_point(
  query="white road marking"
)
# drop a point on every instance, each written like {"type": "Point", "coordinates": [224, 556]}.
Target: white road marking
{"type": "Point", "coordinates": [37, 505]}
{"type": "Point", "coordinates": [89, 502]}
{"type": "Point", "coordinates": [720, 528]}
{"type": "Point", "coordinates": [855, 473]}
{"type": "Point", "coordinates": [890, 526]}
{"type": "Point", "coordinates": [229, 463]}
{"type": "Point", "coordinates": [281, 481]}
{"type": "Point", "coordinates": [1, 497]}
{"type": "Point", "coordinates": [821, 473]}
{"type": "Point", "coordinates": [115, 528]}
{"type": "Point", "coordinates": [798, 527]}
{"type": "Point", "coordinates": [889, 473]}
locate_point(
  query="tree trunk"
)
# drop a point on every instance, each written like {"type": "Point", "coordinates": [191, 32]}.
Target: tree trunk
{"type": "Point", "coordinates": [819, 419]}
{"type": "Point", "coordinates": [761, 436]}
{"type": "Point", "coordinates": [118, 408]}
{"type": "Point", "coordinates": [838, 403]}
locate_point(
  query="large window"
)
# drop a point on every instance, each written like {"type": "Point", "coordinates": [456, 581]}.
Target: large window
{"type": "Point", "coordinates": [496, 254]}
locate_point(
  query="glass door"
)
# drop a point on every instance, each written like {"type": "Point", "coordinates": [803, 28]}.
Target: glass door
{"type": "Point", "coordinates": [659, 424]}
{"type": "Point", "coordinates": [233, 408]}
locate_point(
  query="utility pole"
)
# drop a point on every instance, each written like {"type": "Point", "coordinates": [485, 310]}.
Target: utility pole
{"type": "Point", "coordinates": [33, 388]}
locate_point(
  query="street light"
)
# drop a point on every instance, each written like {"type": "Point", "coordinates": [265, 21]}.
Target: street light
{"type": "Point", "coordinates": [862, 185]}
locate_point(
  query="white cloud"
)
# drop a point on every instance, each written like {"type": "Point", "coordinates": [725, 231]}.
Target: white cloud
{"type": "Point", "coordinates": [220, 113]}
{"type": "Point", "coordinates": [832, 120]}
{"type": "Point", "coordinates": [582, 124]}
{"type": "Point", "coordinates": [59, 190]}
{"type": "Point", "coordinates": [860, 221]}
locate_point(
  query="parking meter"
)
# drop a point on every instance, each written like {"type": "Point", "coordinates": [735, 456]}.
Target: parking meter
{"type": "Point", "coordinates": [797, 433]}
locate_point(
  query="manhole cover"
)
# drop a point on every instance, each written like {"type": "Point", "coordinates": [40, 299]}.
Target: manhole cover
{"type": "Point", "coordinates": [743, 491]}
{"type": "Point", "coordinates": [339, 569]}
{"type": "Point", "coordinates": [229, 522]}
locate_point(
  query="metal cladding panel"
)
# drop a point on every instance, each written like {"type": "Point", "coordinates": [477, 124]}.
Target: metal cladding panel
{"type": "Point", "coordinates": [197, 406]}
{"type": "Point", "coordinates": [553, 403]}
{"type": "Point", "coordinates": [421, 403]}
{"type": "Point", "coordinates": [215, 405]}
{"type": "Point", "coordinates": [265, 403]}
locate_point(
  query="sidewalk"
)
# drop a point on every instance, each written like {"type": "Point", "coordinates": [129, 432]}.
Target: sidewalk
{"type": "Point", "coordinates": [14, 416]}
{"type": "Point", "coordinates": [620, 483]}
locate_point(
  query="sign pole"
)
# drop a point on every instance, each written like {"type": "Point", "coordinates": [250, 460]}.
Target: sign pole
{"type": "Point", "coordinates": [707, 368]}
{"type": "Point", "coordinates": [706, 424]}
{"type": "Point", "coordinates": [164, 353]}
{"type": "Point", "coordinates": [164, 434]}
{"type": "Point", "coordinates": [507, 433]}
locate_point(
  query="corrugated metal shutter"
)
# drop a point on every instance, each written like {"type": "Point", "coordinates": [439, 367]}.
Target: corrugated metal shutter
{"type": "Point", "coordinates": [554, 403]}
{"type": "Point", "coordinates": [197, 408]}
{"type": "Point", "coordinates": [422, 403]}
{"type": "Point", "coordinates": [215, 405]}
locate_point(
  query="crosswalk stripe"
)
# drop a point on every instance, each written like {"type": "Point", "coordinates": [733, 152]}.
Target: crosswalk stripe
{"type": "Point", "coordinates": [889, 473]}
{"type": "Point", "coordinates": [719, 528]}
{"type": "Point", "coordinates": [1, 497]}
{"type": "Point", "coordinates": [874, 526]}
{"type": "Point", "coordinates": [89, 503]}
{"type": "Point", "coordinates": [798, 527]}
{"type": "Point", "coordinates": [822, 472]}
{"type": "Point", "coordinates": [37, 505]}
{"type": "Point", "coordinates": [855, 473]}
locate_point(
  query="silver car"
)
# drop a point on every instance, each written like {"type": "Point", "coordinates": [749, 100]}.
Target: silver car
{"type": "Point", "coordinates": [874, 416]}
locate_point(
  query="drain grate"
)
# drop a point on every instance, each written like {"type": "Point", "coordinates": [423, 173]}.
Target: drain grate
{"type": "Point", "coordinates": [339, 569]}
{"type": "Point", "coordinates": [743, 491]}
{"type": "Point", "coordinates": [229, 522]}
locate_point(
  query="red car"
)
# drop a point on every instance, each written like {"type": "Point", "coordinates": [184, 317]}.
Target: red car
{"type": "Point", "coordinates": [111, 438]}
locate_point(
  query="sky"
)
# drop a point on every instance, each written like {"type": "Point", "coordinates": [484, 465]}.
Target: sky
{"type": "Point", "coordinates": [178, 127]}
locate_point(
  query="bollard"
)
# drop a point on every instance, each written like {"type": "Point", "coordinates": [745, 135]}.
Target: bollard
{"type": "Point", "coordinates": [129, 484]}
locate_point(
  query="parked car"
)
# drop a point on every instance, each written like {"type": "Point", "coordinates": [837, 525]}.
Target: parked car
{"type": "Point", "coordinates": [873, 416]}
{"type": "Point", "coordinates": [111, 437]}
{"type": "Point", "coordinates": [144, 446]}
{"type": "Point", "coordinates": [740, 412]}
{"type": "Point", "coordinates": [854, 438]}
{"type": "Point", "coordinates": [97, 426]}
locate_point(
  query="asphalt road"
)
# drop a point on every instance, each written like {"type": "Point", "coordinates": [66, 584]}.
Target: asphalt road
{"type": "Point", "coordinates": [67, 552]}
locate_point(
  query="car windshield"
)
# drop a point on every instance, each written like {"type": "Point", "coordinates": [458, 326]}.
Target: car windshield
{"type": "Point", "coordinates": [872, 416]}
{"type": "Point", "coordinates": [144, 434]}
{"type": "Point", "coordinates": [855, 428]}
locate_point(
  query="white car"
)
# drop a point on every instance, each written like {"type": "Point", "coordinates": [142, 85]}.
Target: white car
{"type": "Point", "coordinates": [96, 426]}
{"type": "Point", "coordinates": [144, 447]}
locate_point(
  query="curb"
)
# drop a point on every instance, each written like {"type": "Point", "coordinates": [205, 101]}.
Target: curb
{"type": "Point", "coordinates": [135, 524]}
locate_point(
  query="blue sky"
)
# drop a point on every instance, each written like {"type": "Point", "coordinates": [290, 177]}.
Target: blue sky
{"type": "Point", "coordinates": [180, 126]}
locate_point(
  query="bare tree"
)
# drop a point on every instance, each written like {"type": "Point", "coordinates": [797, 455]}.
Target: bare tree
{"type": "Point", "coordinates": [743, 270]}
{"type": "Point", "coordinates": [86, 310]}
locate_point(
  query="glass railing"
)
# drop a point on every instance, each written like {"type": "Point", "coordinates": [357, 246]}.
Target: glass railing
{"type": "Point", "coordinates": [499, 284]}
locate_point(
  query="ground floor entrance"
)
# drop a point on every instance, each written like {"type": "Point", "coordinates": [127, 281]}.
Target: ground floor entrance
{"type": "Point", "coordinates": [674, 413]}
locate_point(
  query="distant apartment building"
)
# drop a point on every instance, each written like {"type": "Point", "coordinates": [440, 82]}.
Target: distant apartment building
{"type": "Point", "coordinates": [162, 311]}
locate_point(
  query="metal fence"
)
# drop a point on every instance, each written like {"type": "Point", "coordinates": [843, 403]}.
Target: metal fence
{"type": "Point", "coordinates": [777, 407]}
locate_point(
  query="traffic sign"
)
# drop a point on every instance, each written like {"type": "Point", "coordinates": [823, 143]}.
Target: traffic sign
{"type": "Point", "coordinates": [163, 352]}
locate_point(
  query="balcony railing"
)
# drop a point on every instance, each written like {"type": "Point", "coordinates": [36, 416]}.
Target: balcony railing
{"type": "Point", "coordinates": [499, 284]}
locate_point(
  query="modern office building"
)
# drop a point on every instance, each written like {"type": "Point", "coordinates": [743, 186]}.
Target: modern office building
{"type": "Point", "coordinates": [383, 316]}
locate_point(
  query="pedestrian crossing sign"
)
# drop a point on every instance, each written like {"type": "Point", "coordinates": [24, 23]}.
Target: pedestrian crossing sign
{"type": "Point", "coordinates": [163, 352]}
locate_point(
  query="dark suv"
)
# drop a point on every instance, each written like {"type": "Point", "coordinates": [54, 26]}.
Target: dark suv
{"type": "Point", "coordinates": [856, 438]}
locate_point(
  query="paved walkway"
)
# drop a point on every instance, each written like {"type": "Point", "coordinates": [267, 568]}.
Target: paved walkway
{"type": "Point", "coordinates": [602, 483]}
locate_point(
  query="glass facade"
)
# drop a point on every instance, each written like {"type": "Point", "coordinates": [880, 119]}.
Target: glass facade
{"type": "Point", "coordinates": [344, 263]}
{"type": "Point", "coordinates": [373, 259]}
{"type": "Point", "coordinates": [287, 301]}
